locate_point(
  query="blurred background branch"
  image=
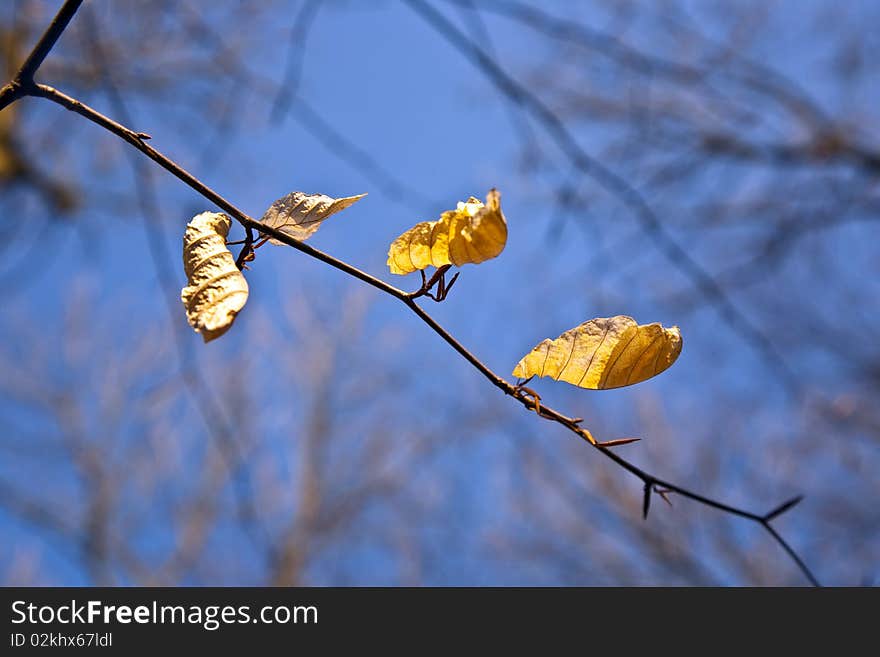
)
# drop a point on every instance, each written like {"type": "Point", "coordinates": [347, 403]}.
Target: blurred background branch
{"type": "Point", "coordinates": [767, 176]}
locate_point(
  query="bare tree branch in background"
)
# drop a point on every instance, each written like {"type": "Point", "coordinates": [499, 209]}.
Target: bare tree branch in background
{"type": "Point", "coordinates": [628, 195]}
{"type": "Point", "coordinates": [131, 457]}
{"type": "Point", "coordinates": [318, 514]}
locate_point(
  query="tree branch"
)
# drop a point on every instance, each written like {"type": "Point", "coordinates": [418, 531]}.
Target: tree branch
{"type": "Point", "coordinates": [24, 86]}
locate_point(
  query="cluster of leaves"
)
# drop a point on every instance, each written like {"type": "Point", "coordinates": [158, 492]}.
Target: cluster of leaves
{"type": "Point", "coordinates": [605, 352]}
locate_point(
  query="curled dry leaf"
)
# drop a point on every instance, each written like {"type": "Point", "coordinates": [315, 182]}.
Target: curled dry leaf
{"type": "Point", "coordinates": [607, 352]}
{"type": "Point", "coordinates": [216, 290]}
{"type": "Point", "coordinates": [471, 233]}
{"type": "Point", "coordinates": [300, 215]}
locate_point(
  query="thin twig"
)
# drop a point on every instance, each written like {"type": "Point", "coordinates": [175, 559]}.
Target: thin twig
{"type": "Point", "coordinates": [136, 139]}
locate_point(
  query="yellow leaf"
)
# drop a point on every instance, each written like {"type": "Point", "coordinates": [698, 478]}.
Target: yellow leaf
{"type": "Point", "coordinates": [607, 352]}
{"type": "Point", "coordinates": [216, 290]}
{"type": "Point", "coordinates": [300, 215]}
{"type": "Point", "coordinates": [472, 233]}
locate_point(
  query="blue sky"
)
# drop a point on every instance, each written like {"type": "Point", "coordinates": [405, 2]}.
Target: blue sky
{"type": "Point", "coordinates": [382, 78]}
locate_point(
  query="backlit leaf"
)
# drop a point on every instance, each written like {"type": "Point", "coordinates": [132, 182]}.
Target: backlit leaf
{"type": "Point", "coordinates": [472, 233]}
{"type": "Point", "coordinates": [299, 214]}
{"type": "Point", "coordinates": [216, 290]}
{"type": "Point", "coordinates": [607, 352]}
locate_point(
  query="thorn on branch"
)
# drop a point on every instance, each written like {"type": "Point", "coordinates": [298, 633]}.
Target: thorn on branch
{"type": "Point", "coordinates": [646, 501]}
{"type": "Point", "coordinates": [143, 136]}
{"type": "Point", "coordinates": [617, 442]}
{"type": "Point", "coordinates": [782, 508]}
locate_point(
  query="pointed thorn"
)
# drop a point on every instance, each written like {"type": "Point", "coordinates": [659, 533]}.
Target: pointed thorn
{"type": "Point", "coordinates": [782, 508]}
{"type": "Point", "coordinates": [143, 136]}
{"type": "Point", "coordinates": [664, 493]}
{"type": "Point", "coordinates": [617, 442]}
{"type": "Point", "coordinates": [646, 503]}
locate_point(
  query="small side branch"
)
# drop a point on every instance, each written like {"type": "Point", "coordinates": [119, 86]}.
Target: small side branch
{"type": "Point", "coordinates": [23, 85]}
{"type": "Point", "coordinates": [782, 508]}
{"type": "Point", "coordinates": [247, 251]}
{"type": "Point", "coordinates": [438, 279]}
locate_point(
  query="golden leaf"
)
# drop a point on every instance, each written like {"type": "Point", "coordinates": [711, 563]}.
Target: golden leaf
{"type": "Point", "coordinates": [607, 352]}
{"type": "Point", "coordinates": [472, 233]}
{"type": "Point", "coordinates": [300, 215]}
{"type": "Point", "coordinates": [216, 290]}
